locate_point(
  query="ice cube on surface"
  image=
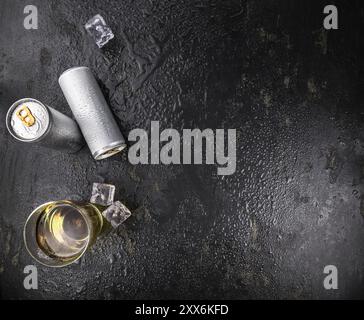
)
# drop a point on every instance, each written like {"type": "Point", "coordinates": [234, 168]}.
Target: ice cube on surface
{"type": "Point", "coordinates": [116, 214]}
{"type": "Point", "coordinates": [99, 30]}
{"type": "Point", "coordinates": [102, 194]}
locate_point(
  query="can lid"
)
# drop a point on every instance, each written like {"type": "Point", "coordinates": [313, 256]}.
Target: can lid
{"type": "Point", "coordinates": [73, 69]}
{"type": "Point", "coordinates": [27, 120]}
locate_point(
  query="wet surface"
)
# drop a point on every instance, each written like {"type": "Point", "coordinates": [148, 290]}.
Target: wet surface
{"type": "Point", "coordinates": [293, 91]}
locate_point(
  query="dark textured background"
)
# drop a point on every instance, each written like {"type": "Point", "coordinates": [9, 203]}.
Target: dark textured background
{"type": "Point", "coordinates": [293, 91]}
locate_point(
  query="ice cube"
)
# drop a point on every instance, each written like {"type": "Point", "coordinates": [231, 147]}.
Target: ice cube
{"type": "Point", "coordinates": [116, 214]}
{"type": "Point", "coordinates": [99, 30]}
{"type": "Point", "coordinates": [102, 194]}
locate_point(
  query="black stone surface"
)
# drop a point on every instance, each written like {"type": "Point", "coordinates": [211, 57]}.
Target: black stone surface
{"type": "Point", "coordinates": [293, 90]}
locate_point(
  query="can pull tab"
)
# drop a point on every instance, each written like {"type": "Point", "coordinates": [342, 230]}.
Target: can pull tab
{"type": "Point", "coordinates": [25, 115]}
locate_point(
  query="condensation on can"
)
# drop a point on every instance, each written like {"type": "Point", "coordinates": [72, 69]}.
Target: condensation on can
{"type": "Point", "coordinates": [91, 112]}
{"type": "Point", "coordinates": [49, 127]}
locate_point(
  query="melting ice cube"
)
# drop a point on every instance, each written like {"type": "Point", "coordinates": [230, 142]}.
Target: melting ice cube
{"type": "Point", "coordinates": [116, 214]}
{"type": "Point", "coordinates": [99, 30]}
{"type": "Point", "coordinates": [102, 194]}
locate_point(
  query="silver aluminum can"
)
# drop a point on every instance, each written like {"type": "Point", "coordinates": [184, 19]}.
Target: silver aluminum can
{"type": "Point", "coordinates": [29, 120]}
{"type": "Point", "coordinates": [91, 112]}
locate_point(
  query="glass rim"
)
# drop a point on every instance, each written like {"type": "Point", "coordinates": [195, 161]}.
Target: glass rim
{"type": "Point", "coordinates": [38, 210]}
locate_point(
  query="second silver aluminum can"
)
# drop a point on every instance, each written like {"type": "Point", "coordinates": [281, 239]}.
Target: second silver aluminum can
{"type": "Point", "coordinates": [91, 112]}
{"type": "Point", "coordinates": [50, 128]}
